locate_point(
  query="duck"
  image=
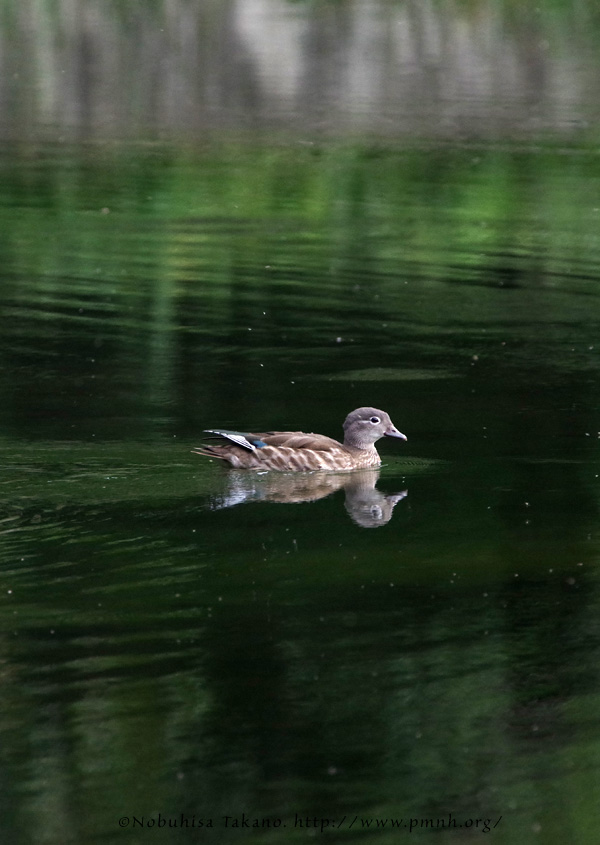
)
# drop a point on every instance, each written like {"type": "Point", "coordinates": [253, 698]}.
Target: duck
{"type": "Point", "coordinates": [298, 451]}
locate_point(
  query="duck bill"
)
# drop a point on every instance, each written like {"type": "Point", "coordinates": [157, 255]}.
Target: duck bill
{"type": "Point", "coordinates": [393, 432]}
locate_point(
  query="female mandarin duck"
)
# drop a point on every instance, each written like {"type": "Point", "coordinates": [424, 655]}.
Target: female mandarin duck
{"type": "Point", "coordinates": [299, 452]}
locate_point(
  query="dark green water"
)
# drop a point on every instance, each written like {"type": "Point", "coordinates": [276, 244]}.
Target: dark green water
{"type": "Point", "coordinates": [176, 639]}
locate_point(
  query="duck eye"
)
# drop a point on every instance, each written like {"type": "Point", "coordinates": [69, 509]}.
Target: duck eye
{"type": "Point", "coordinates": [375, 420]}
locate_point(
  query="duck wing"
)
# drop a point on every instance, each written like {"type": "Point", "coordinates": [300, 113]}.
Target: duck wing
{"type": "Point", "coordinates": [290, 439]}
{"type": "Point", "coordinates": [245, 439]}
{"type": "Point", "coordinates": [299, 440]}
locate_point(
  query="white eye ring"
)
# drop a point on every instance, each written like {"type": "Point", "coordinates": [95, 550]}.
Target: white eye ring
{"type": "Point", "coordinates": [375, 420]}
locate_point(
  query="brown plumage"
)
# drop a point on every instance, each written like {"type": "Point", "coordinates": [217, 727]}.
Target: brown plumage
{"type": "Point", "coordinates": [299, 452]}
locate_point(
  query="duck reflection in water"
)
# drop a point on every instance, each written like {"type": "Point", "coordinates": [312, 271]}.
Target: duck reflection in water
{"type": "Point", "coordinates": [366, 505]}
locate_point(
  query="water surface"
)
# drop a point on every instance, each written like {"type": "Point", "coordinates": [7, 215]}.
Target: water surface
{"type": "Point", "coordinates": [179, 639]}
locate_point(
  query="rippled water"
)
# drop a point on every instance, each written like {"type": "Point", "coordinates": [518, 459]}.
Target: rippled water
{"type": "Point", "coordinates": [402, 644]}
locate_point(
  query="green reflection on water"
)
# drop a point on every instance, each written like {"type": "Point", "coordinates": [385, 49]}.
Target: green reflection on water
{"type": "Point", "coordinates": [174, 637]}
